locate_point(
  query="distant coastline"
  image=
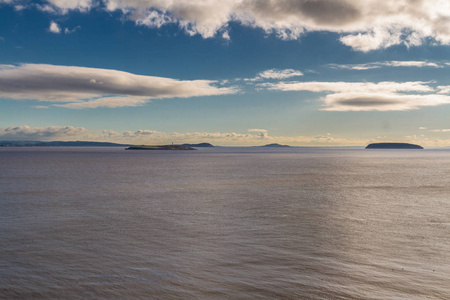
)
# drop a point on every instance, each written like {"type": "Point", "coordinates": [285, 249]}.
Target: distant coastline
{"type": "Point", "coordinates": [43, 144]}
{"type": "Point", "coordinates": [60, 144]}
{"type": "Point", "coordinates": [81, 144]}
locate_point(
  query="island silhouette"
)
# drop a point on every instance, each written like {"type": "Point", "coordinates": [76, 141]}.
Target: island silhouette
{"type": "Point", "coordinates": [275, 145]}
{"type": "Point", "coordinates": [393, 146]}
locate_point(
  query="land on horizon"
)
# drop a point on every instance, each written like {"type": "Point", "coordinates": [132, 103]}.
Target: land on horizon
{"type": "Point", "coordinates": [384, 145]}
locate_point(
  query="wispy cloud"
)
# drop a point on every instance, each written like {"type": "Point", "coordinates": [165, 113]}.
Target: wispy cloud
{"type": "Point", "coordinates": [341, 86]}
{"type": "Point", "coordinates": [280, 74]}
{"type": "Point", "coordinates": [367, 96]}
{"type": "Point", "coordinates": [44, 133]}
{"type": "Point", "coordinates": [394, 63]}
{"type": "Point", "coordinates": [69, 31]}
{"type": "Point", "coordinates": [440, 130]}
{"type": "Point", "coordinates": [262, 132]}
{"type": "Point", "coordinates": [81, 87]}
{"type": "Point", "coordinates": [19, 7]}
{"type": "Point", "coordinates": [275, 74]}
{"type": "Point", "coordinates": [109, 102]}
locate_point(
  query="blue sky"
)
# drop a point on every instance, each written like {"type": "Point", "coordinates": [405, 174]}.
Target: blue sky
{"type": "Point", "coordinates": [237, 72]}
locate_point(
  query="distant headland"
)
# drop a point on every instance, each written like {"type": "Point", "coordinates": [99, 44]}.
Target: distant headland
{"type": "Point", "coordinates": [161, 147]}
{"type": "Point", "coordinates": [393, 146]}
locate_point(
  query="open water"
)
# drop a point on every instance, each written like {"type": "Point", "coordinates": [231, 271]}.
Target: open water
{"type": "Point", "coordinates": [224, 223]}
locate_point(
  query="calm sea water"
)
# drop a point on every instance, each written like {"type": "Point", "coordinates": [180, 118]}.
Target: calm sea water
{"type": "Point", "coordinates": [224, 223]}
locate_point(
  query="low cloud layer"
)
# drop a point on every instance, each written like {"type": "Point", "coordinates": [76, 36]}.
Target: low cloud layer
{"type": "Point", "coordinates": [81, 87]}
{"type": "Point", "coordinates": [254, 137]}
{"type": "Point", "coordinates": [364, 25]}
{"type": "Point", "coordinates": [367, 96]}
{"type": "Point", "coordinates": [27, 133]}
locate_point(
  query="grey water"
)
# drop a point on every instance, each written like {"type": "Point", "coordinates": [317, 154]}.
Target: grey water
{"type": "Point", "coordinates": [224, 223]}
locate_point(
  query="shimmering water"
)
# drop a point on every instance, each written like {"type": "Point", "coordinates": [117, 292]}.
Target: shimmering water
{"type": "Point", "coordinates": [224, 223]}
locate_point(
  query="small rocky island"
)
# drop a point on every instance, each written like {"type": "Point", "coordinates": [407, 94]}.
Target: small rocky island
{"type": "Point", "coordinates": [393, 146]}
{"type": "Point", "coordinates": [162, 147]}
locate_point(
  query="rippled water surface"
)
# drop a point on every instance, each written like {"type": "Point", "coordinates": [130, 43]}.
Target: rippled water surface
{"type": "Point", "coordinates": [224, 223]}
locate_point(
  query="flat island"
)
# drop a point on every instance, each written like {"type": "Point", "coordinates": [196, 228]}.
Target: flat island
{"type": "Point", "coordinates": [162, 147]}
{"type": "Point", "coordinates": [275, 145]}
{"type": "Point", "coordinates": [201, 145]}
{"type": "Point", "coordinates": [393, 146]}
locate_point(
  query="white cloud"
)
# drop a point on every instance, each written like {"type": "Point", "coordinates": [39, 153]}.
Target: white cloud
{"type": "Point", "coordinates": [64, 6]}
{"type": "Point", "coordinates": [368, 96]}
{"type": "Point", "coordinates": [54, 27]}
{"type": "Point", "coordinates": [376, 38]}
{"type": "Point", "coordinates": [275, 74]}
{"type": "Point", "coordinates": [444, 89]}
{"type": "Point", "coordinates": [83, 87]}
{"type": "Point", "coordinates": [280, 74]}
{"type": "Point", "coordinates": [226, 35]}
{"type": "Point", "coordinates": [394, 63]}
{"type": "Point", "coordinates": [262, 132]}
{"type": "Point", "coordinates": [364, 25]}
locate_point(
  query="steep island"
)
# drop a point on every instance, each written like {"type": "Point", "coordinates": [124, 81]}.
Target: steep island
{"type": "Point", "coordinates": [162, 147]}
{"type": "Point", "coordinates": [393, 146]}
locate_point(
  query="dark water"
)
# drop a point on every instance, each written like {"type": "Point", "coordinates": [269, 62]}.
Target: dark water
{"type": "Point", "coordinates": [89, 223]}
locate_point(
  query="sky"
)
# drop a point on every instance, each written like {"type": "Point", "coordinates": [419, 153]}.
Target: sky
{"type": "Point", "coordinates": [227, 72]}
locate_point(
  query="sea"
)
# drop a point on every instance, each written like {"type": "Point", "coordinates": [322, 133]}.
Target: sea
{"type": "Point", "coordinates": [224, 223]}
